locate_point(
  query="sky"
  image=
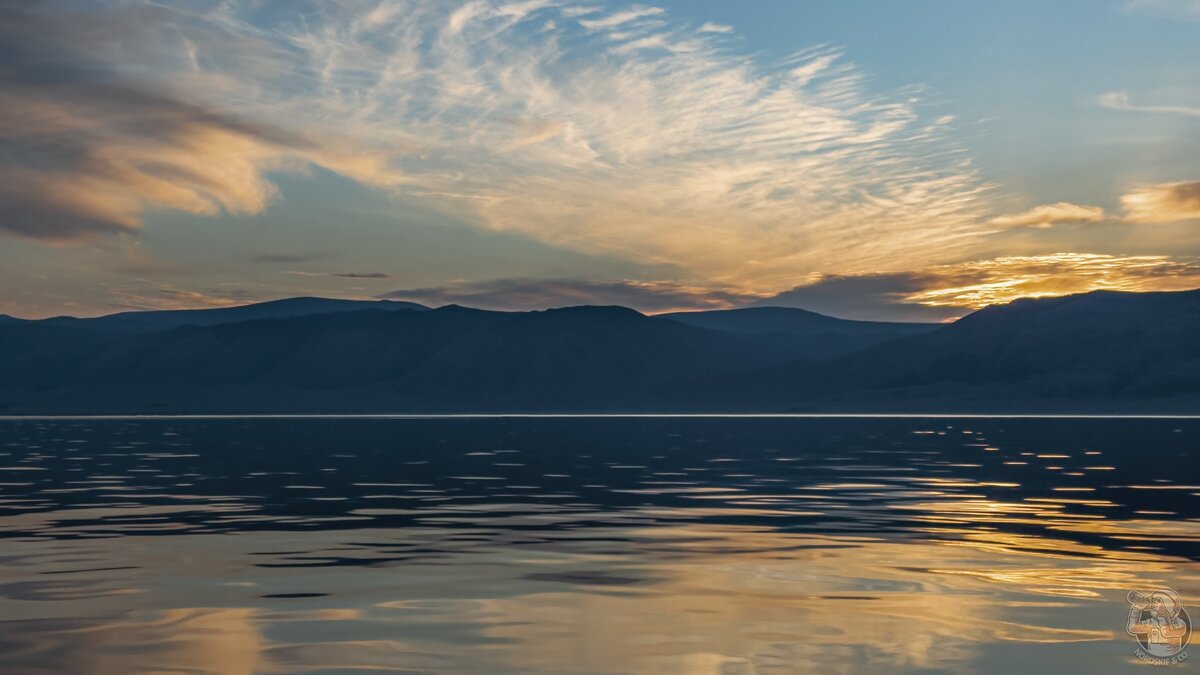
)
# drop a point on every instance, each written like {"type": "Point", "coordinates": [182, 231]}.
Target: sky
{"type": "Point", "coordinates": [884, 160]}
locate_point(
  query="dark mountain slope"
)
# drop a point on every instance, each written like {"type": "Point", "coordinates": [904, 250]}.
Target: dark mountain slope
{"type": "Point", "coordinates": [823, 336]}
{"type": "Point", "coordinates": [451, 358]}
{"type": "Point", "coordinates": [1104, 343]}
{"type": "Point", "coordinates": [586, 358]}
{"type": "Point", "coordinates": [36, 353]}
{"type": "Point", "coordinates": [1073, 351]}
{"type": "Point", "coordinates": [791, 321]}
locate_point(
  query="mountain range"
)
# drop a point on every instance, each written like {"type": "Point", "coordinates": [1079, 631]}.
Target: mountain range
{"type": "Point", "coordinates": [1098, 352]}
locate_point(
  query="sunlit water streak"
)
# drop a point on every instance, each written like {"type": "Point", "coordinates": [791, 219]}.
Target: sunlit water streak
{"type": "Point", "coordinates": [590, 545]}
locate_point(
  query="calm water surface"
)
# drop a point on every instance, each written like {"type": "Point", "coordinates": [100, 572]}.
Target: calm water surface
{"type": "Point", "coordinates": [589, 545]}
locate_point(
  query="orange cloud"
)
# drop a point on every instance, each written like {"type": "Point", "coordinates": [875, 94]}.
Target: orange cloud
{"type": "Point", "coordinates": [1163, 203]}
{"type": "Point", "coordinates": [980, 283]}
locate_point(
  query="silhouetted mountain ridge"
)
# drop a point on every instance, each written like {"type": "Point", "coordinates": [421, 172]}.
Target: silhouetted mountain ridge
{"type": "Point", "coordinates": [145, 320]}
{"type": "Point", "coordinates": [1103, 349]}
{"type": "Point", "coordinates": [1100, 351]}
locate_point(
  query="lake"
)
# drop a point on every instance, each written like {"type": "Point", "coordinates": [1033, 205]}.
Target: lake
{"type": "Point", "coordinates": [590, 545]}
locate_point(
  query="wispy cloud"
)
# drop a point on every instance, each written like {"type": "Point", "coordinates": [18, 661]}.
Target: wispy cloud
{"type": "Point", "coordinates": [1046, 215]}
{"type": "Point", "coordinates": [710, 27]}
{"type": "Point", "coordinates": [619, 131]}
{"type": "Point", "coordinates": [641, 139]}
{"type": "Point", "coordinates": [1119, 100]}
{"type": "Point", "coordinates": [526, 294]}
{"type": "Point", "coordinates": [1163, 203]}
{"type": "Point", "coordinates": [621, 18]}
{"type": "Point", "coordinates": [173, 297]}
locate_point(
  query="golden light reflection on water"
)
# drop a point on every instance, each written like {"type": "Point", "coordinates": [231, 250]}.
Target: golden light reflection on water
{"type": "Point", "coordinates": [678, 598]}
{"type": "Point", "coordinates": [831, 546]}
{"type": "Point", "coordinates": [180, 640]}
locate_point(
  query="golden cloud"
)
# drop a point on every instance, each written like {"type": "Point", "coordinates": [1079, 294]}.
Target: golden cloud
{"type": "Point", "coordinates": [1163, 203]}
{"type": "Point", "coordinates": [980, 283]}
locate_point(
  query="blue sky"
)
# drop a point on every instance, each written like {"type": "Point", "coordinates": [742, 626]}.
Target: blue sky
{"type": "Point", "coordinates": [886, 160]}
{"type": "Point", "coordinates": [1023, 76]}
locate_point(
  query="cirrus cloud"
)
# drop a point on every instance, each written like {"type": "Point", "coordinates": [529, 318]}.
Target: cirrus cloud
{"type": "Point", "coordinates": [612, 129]}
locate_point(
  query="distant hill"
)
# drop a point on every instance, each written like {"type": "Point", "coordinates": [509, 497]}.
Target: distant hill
{"type": "Point", "coordinates": [824, 336]}
{"type": "Point", "coordinates": [1101, 344]}
{"type": "Point", "coordinates": [1104, 350]}
{"type": "Point", "coordinates": [1096, 352]}
{"type": "Point", "coordinates": [138, 321]}
{"type": "Point", "coordinates": [452, 358]}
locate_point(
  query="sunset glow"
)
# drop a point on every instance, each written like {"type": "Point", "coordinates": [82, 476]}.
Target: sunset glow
{"type": "Point", "coordinates": [542, 153]}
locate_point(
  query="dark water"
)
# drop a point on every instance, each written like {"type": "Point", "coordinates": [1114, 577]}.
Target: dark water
{"type": "Point", "coordinates": [583, 545]}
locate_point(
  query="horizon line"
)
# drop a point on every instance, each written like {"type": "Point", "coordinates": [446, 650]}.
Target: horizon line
{"type": "Point", "coordinates": [133, 310]}
{"type": "Point", "coordinates": [434, 416]}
